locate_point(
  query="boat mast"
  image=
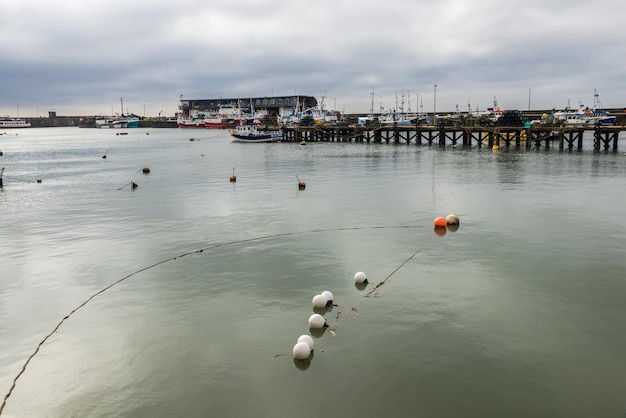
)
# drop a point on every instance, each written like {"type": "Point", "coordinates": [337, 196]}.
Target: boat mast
{"type": "Point", "coordinates": [408, 96]}
{"type": "Point", "coordinates": [596, 100]}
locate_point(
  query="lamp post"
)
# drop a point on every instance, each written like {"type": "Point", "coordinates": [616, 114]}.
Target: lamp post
{"type": "Point", "coordinates": [528, 99]}
{"type": "Point", "coordinates": [435, 106]}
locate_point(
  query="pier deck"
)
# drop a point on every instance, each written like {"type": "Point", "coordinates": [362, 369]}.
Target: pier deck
{"type": "Point", "coordinates": [564, 137]}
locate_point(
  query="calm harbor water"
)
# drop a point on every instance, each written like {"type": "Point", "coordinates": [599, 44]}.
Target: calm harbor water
{"type": "Point", "coordinates": [518, 313]}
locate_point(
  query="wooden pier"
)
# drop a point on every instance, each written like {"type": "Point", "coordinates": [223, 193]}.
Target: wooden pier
{"type": "Point", "coordinates": [563, 137]}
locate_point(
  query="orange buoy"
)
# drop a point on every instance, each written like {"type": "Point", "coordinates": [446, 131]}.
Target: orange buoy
{"type": "Point", "coordinates": [440, 221]}
{"type": "Point", "coordinates": [233, 178]}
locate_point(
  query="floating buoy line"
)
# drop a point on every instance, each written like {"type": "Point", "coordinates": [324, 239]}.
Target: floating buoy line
{"type": "Point", "coordinates": [22, 180]}
{"type": "Point", "coordinates": [193, 138]}
{"type": "Point", "coordinates": [132, 185]}
{"type": "Point", "coordinates": [303, 349]}
{"type": "Point", "coordinates": [202, 250]}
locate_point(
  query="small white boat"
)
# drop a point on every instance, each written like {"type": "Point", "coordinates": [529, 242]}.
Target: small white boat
{"type": "Point", "coordinates": [249, 133]}
{"type": "Point", "coordinates": [395, 119]}
{"type": "Point", "coordinates": [13, 123]}
{"type": "Point", "coordinates": [106, 122]}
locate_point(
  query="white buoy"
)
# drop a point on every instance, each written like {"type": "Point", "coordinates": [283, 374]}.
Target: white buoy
{"type": "Point", "coordinates": [301, 351]}
{"type": "Point", "coordinates": [306, 339]}
{"type": "Point", "coordinates": [319, 301]}
{"type": "Point", "coordinates": [452, 219]}
{"type": "Point", "coordinates": [329, 297]}
{"type": "Point", "coordinates": [317, 321]}
{"type": "Point", "coordinates": [360, 277]}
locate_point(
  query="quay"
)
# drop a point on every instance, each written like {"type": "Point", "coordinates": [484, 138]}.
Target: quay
{"type": "Point", "coordinates": [563, 137]}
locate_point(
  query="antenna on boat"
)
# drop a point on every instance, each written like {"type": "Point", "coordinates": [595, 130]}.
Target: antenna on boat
{"type": "Point", "coordinates": [596, 100]}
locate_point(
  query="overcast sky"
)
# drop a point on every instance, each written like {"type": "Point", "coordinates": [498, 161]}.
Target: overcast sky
{"type": "Point", "coordinates": [80, 57]}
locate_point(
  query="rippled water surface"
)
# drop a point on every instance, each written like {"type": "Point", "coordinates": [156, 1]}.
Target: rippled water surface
{"type": "Point", "coordinates": [518, 313]}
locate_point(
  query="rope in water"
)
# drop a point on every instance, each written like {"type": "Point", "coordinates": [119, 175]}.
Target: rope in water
{"type": "Point", "coordinates": [353, 309]}
{"type": "Point", "coordinates": [20, 179]}
{"type": "Point", "coordinates": [201, 250]}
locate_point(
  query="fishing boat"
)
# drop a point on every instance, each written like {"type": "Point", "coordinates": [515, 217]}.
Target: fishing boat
{"type": "Point", "coordinates": [107, 122]}
{"type": "Point", "coordinates": [132, 122]}
{"type": "Point", "coordinates": [395, 119]}
{"type": "Point", "coordinates": [13, 123]}
{"type": "Point", "coordinates": [250, 133]}
{"type": "Point", "coordinates": [195, 121]}
{"type": "Point", "coordinates": [227, 116]}
{"type": "Point", "coordinates": [584, 116]}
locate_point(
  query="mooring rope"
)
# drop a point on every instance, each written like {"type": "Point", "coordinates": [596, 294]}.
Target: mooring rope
{"type": "Point", "coordinates": [201, 250]}
{"type": "Point", "coordinates": [353, 309]}
{"type": "Point", "coordinates": [20, 179]}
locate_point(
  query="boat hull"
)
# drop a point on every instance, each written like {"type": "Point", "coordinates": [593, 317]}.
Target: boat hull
{"type": "Point", "coordinates": [258, 138]}
{"type": "Point", "coordinates": [190, 124]}
{"type": "Point", "coordinates": [216, 125]}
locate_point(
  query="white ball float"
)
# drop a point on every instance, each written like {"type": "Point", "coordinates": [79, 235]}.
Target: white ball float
{"type": "Point", "coordinates": [319, 301]}
{"type": "Point", "coordinates": [329, 297]}
{"type": "Point", "coordinates": [301, 351]}
{"type": "Point", "coordinates": [306, 339]}
{"type": "Point", "coordinates": [317, 321]}
{"type": "Point", "coordinates": [360, 277]}
{"type": "Point", "coordinates": [452, 219]}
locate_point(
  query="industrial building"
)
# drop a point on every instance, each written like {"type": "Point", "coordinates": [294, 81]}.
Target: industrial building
{"type": "Point", "coordinates": [275, 105]}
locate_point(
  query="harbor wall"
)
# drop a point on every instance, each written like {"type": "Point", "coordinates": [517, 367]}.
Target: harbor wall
{"type": "Point", "coordinates": [90, 122]}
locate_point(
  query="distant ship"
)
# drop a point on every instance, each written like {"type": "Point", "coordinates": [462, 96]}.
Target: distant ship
{"type": "Point", "coordinates": [14, 123]}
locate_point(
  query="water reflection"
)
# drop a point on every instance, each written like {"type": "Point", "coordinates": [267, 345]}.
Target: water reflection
{"type": "Point", "coordinates": [304, 364]}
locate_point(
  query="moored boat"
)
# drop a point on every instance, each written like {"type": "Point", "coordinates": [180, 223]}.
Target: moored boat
{"type": "Point", "coordinates": [227, 116]}
{"type": "Point", "coordinates": [132, 122]}
{"type": "Point", "coordinates": [250, 133]}
{"type": "Point", "coordinates": [195, 121]}
{"type": "Point", "coordinates": [13, 123]}
{"type": "Point", "coordinates": [584, 116]}
{"type": "Point", "coordinates": [105, 122]}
